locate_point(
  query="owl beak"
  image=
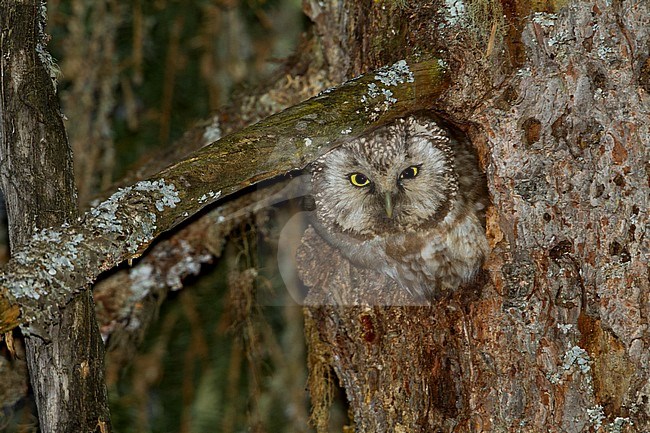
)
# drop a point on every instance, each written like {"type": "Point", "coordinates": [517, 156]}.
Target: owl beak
{"type": "Point", "coordinates": [389, 204]}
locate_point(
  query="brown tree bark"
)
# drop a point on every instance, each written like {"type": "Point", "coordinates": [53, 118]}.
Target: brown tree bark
{"type": "Point", "coordinates": [66, 359]}
{"type": "Point", "coordinates": [555, 336]}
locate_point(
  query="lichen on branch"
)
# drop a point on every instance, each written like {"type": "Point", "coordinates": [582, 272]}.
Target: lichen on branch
{"type": "Point", "coordinates": [58, 262]}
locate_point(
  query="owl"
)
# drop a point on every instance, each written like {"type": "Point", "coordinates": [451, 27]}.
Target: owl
{"type": "Point", "coordinates": [406, 200]}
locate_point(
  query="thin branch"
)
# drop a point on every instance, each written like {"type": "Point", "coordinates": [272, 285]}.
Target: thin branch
{"type": "Point", "coordinates": [44, 276]}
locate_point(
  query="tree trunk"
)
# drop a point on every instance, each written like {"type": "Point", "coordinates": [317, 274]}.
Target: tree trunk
{"type": "Point", "coordinates": [66, 359]}
{"type": "Point", "coordinates": [555, 337]}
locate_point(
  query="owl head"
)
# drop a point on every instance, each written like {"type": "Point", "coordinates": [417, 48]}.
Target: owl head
{"type": "Point", "coordinates": [398, 178]}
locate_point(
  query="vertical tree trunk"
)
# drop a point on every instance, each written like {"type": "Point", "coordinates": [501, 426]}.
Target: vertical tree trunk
{"type": "Point", "coordinates": [65, 357]}
{"type": "Point", "coordinates": [556, 337]}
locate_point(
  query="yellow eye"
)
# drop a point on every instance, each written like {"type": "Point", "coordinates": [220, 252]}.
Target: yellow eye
{"type": "Point", "coordinates": [410, 172]}
{"type": "Point", "coordinates": [359, 179]}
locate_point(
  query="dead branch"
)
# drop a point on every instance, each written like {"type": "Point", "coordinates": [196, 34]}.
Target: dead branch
{"type": "Point", "coordinates": [56, 263]}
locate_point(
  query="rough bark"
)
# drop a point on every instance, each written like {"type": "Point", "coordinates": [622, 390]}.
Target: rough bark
{"type": "Point", "coordinates": [49, 271]}
{"type": "Point", "coordinates": [66, 367]}
{"type": "Point", "coordinates": [570, 228]}
{"type": "Point", "coordinates": [556, 336]}
{"type": "Point", "coordinates": [128, 301]}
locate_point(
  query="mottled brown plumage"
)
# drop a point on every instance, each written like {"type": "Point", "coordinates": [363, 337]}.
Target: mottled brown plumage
{"type": "Point", "coordinates": [405, 200]}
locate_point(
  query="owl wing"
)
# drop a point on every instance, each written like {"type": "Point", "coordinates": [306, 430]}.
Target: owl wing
{"type": "Point", "coordinates": [334, 280]}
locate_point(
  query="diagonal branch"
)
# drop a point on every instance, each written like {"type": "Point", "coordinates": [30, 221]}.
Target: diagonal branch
{"type": "Point", "coordinates": [44, 276]}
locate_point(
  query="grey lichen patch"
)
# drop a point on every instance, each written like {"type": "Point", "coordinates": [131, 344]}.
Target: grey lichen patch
{"type": "Point", "coordinates": [386, 77]}
{"type": "Point", "coordinates": [577, 356]}
{"type": "Point", "coordinates": [210, 196]}
{"type": "Point", "coordinates": [455, 11]}
{"type": "Point", "coordinates": [169, 194]}
{"type": "Point", "coordinates": [189, 265]}
{"type": "Point", "coordinates": [212, 132]}
{"type": "Point", "coordinates": [326, 91]}
{"type": "Point", "coordinates": [116, 214]}
{"type": "Point", "coordinates": [596, 416]}
{"type": "Point", "coordinates": [576, 359]}
{"type": "Point", "coordinates": [49, 63]}
{"type": "Point", "coordinates": [63, 260]}
{"type": "Point", "coordinates": [373, 92]}
{"type": "Point", "coordinates": [142, 281]}
{"type": "Point", "coordinates": [104, 215]}
{"type": "Point", "coordinates": [53, 266]}
{"type": "Point", "coordinates": [45, 266]}
{"type": "Point", "coordinates": [41, 277]}
{"type": "Point", "coordinates": [544, 19]}
{"type": "Point", "coordinates": [617, 425]}
{"type": "Point", "coordinates": [388, 95]}
{"type": "Point", "coordinates": [27, 287]}
{"type": "Point", "coordinates": [397, 73]}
